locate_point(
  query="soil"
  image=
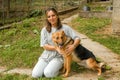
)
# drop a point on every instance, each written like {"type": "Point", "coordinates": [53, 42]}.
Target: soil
{"type": "Point", "coordinates": [106, 30]}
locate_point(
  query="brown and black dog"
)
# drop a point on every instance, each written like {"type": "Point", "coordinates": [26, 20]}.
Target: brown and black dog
{"type": "Point", "coordinates": [61, 40]}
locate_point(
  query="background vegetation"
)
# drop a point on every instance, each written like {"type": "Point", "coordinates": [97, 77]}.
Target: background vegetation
{"type": "Point", "coordinates": [17, 10]}
{"type": "Point", "coordinates": [94, 28]}
{"type": "Point", "coordinates": [19, 45]}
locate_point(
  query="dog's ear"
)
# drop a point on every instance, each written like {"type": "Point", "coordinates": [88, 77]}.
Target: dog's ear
{"type": "Point", "coordinates": [62, 31]}
{"type": "Point", "coordinates": [53, 37]}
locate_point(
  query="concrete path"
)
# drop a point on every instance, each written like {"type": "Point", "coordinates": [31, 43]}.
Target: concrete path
{"type": "Point", "coordinates": [99, 50]}
{"type": "Point", "coordinates": [4, 70]}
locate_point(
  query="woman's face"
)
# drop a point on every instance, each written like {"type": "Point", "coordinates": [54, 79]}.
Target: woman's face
{"type": "Point", "coordinates": [52, 18]}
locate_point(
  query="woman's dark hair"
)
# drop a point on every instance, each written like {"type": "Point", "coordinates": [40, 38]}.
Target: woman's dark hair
{"type": "Point", "coordinates": [48, 25]}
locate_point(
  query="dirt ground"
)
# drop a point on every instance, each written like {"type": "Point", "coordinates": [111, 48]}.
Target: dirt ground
{"type": "Point", "coordinates": [106, 30]}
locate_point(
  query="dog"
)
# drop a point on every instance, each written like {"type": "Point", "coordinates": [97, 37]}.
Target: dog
{"type": "Point", "coordinates": [61, 41]}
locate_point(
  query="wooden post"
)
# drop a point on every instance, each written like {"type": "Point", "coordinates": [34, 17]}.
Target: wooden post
{"type": "Point", "coordinates": [3, 11]}
{"type": "Point", "coordinates": [8, 8]}
{"type": "Point", "coordinates": [116, 17]}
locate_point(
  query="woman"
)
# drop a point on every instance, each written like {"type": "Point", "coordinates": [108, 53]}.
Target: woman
{"type": "Point", "coordinates": [51, 61]}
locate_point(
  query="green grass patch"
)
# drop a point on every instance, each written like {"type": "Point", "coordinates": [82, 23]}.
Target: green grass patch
{"type": "Point", "coordinates": [24, 77]}
{"type": "Point", "coordinates": [98, 6]}
{"type": "Point", "coordinates": [90, 26]}
{"type": "Point", "coordinates": [77, 68]}
{"type": "Point", "coordinates": [20, 44]}
{"type": "Point", "coordinates": [14, 77]}
{"type": "Point", "coordinates": [101, 78]}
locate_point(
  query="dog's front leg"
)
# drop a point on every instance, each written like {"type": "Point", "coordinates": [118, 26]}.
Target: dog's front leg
{"type": "Point", "coordinates": [68, 65]}
{"type": "Point", "coordinates": [64, 66]}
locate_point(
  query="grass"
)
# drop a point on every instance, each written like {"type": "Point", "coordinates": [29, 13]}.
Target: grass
{"type": "Point", "coordinates": [101, 78]}
{"type": "Point", "coordinates": [98, 6]}
{"type": "Point", "coordinates": [23, 77]}
{"type": "Point", "coordinates": [20, 44]}
{"type": "Point", "coordinates": [90, 27]}
{"type": "Point", "coordinates": [14, 77]}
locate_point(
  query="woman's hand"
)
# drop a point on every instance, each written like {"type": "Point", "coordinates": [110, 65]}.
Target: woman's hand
{"type": "Point", "coordinates": [69, 49]}
{"type": "Point", "coordinates": [59, 51]}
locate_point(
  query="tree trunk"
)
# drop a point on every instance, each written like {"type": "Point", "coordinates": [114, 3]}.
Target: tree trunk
{"type": "Point", "coordinates": [8, 8]}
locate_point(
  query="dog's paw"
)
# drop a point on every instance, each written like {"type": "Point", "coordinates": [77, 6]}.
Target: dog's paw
{"type": "Point", "coordinates": [63, 70]}
{"type": "Point", "coordinates": [99, 74]}
{"type": "Point", "coordinates": [65, 75]}
{"type": "Point", "coordinates": [101, 64]}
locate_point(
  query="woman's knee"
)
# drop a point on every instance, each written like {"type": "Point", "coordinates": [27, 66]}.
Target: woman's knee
{"type": "Point", "coordinates": [36, 74]}
{"type": "Point", "coordinates": [52, 70]}
{"type": "Point", "coordinates": [50, 73]}
{"type": "Point", "coordinates": [38, 70]}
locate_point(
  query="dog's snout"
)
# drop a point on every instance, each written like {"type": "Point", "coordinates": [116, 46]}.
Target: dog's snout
{"type": "Point", "coordinates": [61, 44]}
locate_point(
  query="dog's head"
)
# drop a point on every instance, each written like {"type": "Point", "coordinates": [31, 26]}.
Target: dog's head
{"type": "Point", "coordinates": [59, 38]}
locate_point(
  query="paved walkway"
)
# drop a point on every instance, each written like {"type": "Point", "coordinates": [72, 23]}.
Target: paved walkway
{"type": "Point", "coordinates": [99, 50]}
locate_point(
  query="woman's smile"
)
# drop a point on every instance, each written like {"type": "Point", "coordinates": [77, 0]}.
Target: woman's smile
{"type": "Point", "coordinates": [52, 18]}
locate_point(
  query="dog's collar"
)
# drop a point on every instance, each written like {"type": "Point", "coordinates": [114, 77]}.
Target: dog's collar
{"type": "Point", "coordinates": [68, 40]}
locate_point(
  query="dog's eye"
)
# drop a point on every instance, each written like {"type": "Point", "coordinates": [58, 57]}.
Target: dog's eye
{"type": "Point", "coordinates": [61, 37]}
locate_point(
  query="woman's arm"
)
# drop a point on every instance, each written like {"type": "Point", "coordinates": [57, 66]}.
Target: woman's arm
{"type": "Point", "coordinates": [53, 48]}
{"type": "Point", "coordinates": [44, 40]}
{"type": "Point", "coordinates": [76, 42]}
{"type": "Point", "coordinates": [71, 48]}
{"type": "Point", "coordinates": [49, 47]}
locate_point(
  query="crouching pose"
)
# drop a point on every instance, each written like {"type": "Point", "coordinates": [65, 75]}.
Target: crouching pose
{"type": "Point", "coordinates": [51, 61]}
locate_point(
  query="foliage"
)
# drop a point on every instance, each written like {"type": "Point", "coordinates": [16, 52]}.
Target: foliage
{"type": "Point", "coordinates": [98, 6]}
{"type": "Point", "coordinates": [24, 77]}
{"type": "Point", "coordinates": [101, 78]}
{"type": "Point", "coordinates": [35, 13]}
{"type": "Point", "coordinates": [77, 68]}
{"type": "Point", "coordinates": [20, 45]}
{"type": "Point", "coordinates": [13, 77]}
